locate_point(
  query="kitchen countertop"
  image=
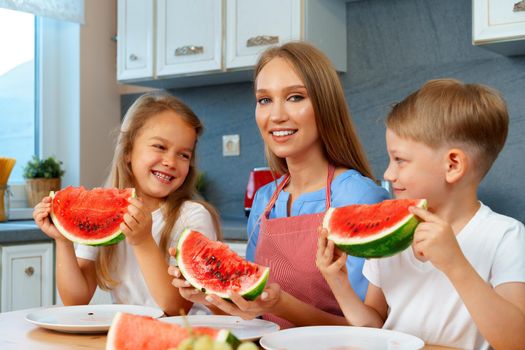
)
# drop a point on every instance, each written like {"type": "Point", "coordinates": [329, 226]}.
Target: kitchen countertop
{"type": "Point", "coordinates": [23, 231]}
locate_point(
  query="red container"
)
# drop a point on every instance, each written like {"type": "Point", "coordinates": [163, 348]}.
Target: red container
{"type": "Point", "coordinates": [258, 178]}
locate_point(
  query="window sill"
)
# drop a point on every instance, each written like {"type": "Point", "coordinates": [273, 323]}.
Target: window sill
{"type": "Point", "coordinates": [20, 214]}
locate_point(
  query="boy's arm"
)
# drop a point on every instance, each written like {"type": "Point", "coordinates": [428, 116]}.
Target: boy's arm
{"type": "Point", "coordinates": [499, 313]}
{"type": "Point", "coordinates": [332, 264]}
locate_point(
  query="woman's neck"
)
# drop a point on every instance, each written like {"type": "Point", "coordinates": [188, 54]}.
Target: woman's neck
{"type": "Point", "coordinates": [307, 175]}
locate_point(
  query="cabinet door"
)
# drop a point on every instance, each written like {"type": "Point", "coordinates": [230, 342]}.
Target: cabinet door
{"type": "Point", "coordinates": [253, 25]}
{"type": "Point", "coordinates": [27, 276]}
{"type": "Point", "coordinates": [500, 24]}
{"type": "Point", "coordinates": [189, 36]}
{"type": "Point", "coordinates": [134, 39]}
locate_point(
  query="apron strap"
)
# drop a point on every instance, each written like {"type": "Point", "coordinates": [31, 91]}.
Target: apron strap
{"type": "Point", "coordinates": [271, 203]}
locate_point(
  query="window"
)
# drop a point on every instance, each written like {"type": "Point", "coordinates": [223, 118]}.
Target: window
{"type": "Point", "coordinates": [18, 127]}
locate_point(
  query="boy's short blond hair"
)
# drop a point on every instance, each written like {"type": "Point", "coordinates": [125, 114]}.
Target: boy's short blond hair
{"type": "Point", "coordinates": [448, 112]}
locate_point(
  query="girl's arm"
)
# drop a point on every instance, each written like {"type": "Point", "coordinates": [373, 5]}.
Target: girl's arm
{"type": "Point", "coordinates": [76, 278]}
{"type": "Point", "coordinates": [154, 269]}
{"type": "Point", "coordinates": [499, 313]}
{"type": "Point", "coordinates": [152, 261]}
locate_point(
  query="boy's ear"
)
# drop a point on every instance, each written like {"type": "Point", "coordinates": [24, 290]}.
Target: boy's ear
{"type": "Point", "coordinates": [457, 165]}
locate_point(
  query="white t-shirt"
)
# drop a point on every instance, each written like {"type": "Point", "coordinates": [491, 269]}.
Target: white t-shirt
{"type": "Point", "coordinates": [421, 299]}
{"type": "Point", "coordinates": [132, 288]}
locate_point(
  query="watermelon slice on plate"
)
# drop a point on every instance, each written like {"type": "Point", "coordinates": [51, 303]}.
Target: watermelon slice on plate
{"type": "Point", "coordinates": [129, 332]}
{"type": "Point", "coordinates": [373, 231]}
{"type": "Point", "coordinates": [214, 268]}
{"type": "Point", "coordinates": [90, 217]}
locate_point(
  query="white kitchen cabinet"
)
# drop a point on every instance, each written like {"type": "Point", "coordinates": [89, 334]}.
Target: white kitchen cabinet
{"type": "Point", "coordinates": [498, 25]}
{"type": "Point", "coordinates": [189, 35]}
{"type": "Point", "coordinates": [135, 39]}
{"type": "Point", "coordinates": [254, 25]}
{"type": "Point", "coordinates": [27, 276]}
{"type": "Point", "coordinates": [202, 42]}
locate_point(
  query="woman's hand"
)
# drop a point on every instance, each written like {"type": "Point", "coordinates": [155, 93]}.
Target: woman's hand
{"type": "Point", "coordinates": [41, 215]}
{"type": "Point", "coordinates": [330, 260]}
{"type": "Point", "coordinates": [185, 289]}
{"type": "Point", "coordinates": [248, 309]}
{"type": "Point", "coordinates": [137, 222]}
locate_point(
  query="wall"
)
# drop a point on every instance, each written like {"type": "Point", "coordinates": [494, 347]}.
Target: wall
{"type": "Point", "coordinates": [393, 47]}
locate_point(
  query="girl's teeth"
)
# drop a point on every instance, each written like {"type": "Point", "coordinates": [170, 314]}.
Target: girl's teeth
{"type": "Point", "coordinates": [163, 177]}
{"type": "Point", "coordinates": [283, 133]}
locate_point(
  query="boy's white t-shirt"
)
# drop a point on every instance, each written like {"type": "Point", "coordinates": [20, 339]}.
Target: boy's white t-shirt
{"type": "Point", "coordinates": [132, 288]}
{"type": "Point", "coordinates": [421, 299]}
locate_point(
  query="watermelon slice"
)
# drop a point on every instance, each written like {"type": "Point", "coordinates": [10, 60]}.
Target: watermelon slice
{"type": "Point", "coordinates": [373, 231]}
{"type": "Point", "coordinates": [90, 217]}
{"type": "Point", "coordinates": [130, 332]}
{"type": "Point", "coordinates": [214, 268]}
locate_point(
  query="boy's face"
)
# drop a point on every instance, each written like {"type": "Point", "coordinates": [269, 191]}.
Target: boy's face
{"type": "Point", "coordinates": [415, 170]}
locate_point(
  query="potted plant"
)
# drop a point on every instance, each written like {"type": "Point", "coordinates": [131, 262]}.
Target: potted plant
{"type": "Point", "coordinates": [42, 176]}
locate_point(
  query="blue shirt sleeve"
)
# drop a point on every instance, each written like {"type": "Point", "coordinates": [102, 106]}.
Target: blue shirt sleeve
{"type": "Point", "coordinates": [260, 200]}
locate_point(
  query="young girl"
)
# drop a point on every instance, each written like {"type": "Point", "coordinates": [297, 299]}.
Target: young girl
{"type": "Point", "coordinates": [155, 154]}
{"type": "Point", "coordinates": [308, 134]}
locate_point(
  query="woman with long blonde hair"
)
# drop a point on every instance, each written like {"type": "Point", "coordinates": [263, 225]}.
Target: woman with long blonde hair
{"type": "Point", "coordinates": [155, 154]}
{"type": "Point", "coordinates": [309, 137]}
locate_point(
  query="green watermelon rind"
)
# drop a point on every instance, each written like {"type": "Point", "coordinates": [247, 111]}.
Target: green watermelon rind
{"type": "Point", "coordinates": [391, 241]}
{"type": "Point", "coordinates": [249, 294]}
{"type": "Point", "coordinates": [113, 238]}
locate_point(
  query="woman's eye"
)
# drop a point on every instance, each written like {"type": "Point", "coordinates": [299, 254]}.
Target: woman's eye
{"type": "Point", "coordinates": [263, 101]}
{"type": "Point", "coordinates": [296, 98]}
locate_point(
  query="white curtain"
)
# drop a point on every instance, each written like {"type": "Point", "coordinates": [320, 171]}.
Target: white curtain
{"type": "Point", "coordinates": [67, 10]}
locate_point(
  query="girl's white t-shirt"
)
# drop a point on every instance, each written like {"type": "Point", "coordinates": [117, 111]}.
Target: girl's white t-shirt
{"type": "Point", "coordinates": [421, 299]}
{"type": "Point", "coordinates": [132, 288]}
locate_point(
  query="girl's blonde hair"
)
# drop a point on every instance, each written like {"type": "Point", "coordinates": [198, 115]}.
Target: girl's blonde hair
{"type": "Point", "coordinates": [337, 132]}
{"type": "Point", "coordinates": [121, 176]}
{"type": "Point", "coordinates": [449, 112]}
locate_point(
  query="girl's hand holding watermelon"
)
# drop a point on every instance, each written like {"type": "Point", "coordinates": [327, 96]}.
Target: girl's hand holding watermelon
{"type": "Point", "coordinates": [137, 222]}
{"type": "Point", "coordinates": [41, 215]}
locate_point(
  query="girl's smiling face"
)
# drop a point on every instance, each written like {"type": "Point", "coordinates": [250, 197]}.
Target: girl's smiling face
{"type": "Point", "coordinates": [161, 155]}
{"type": "Point", "coordinates": [284, 111]}
{"type": "Point", "coordinates": [415, 170]}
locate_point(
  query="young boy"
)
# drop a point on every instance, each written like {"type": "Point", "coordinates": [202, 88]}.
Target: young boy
{"type": "Point", "coordinates": [463, 282]}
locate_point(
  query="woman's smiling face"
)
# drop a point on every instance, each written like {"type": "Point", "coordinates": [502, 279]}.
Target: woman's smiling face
{"type": "Point", "coordinates": [284, 112]}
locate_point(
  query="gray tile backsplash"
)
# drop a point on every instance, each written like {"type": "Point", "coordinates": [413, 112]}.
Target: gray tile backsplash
{"type": "Point", "coordinates": [393, 48]}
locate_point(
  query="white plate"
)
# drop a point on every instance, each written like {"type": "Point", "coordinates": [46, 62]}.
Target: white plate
{"type": "Point", "coordinates": [86, 318]}
{"type": "Point", "coordinates": [340, 338]}
{"type": "Point", "coordinates": [242, 329]}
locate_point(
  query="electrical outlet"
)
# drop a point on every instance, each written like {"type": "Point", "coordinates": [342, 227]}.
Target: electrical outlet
{"type": "Point", "coordinates": [231, 145]}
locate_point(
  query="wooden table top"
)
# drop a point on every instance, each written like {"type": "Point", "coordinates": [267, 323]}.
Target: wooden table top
{"type": "Point", "coordinates": [16, 333]}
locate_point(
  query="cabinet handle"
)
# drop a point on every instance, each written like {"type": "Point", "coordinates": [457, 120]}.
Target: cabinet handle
{"type": "Point", "coordinates": [133, 57]}
{"type": "Point", "coordinates": [261, 40]}
{"type": "Point", "coordinates": [29, 271]}
{"type": "Point", "coordinates": [189, 50]}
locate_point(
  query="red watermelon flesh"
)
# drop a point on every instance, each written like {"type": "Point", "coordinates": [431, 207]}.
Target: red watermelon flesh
{"type": "Point", "coordinates": [91, 217]}
{"type": "Point", "coordinates": [214, 268]}
{"type": "Point", "coordinates": [375, 230]}
{"type": "Point", "coordinates": [130, 332]}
